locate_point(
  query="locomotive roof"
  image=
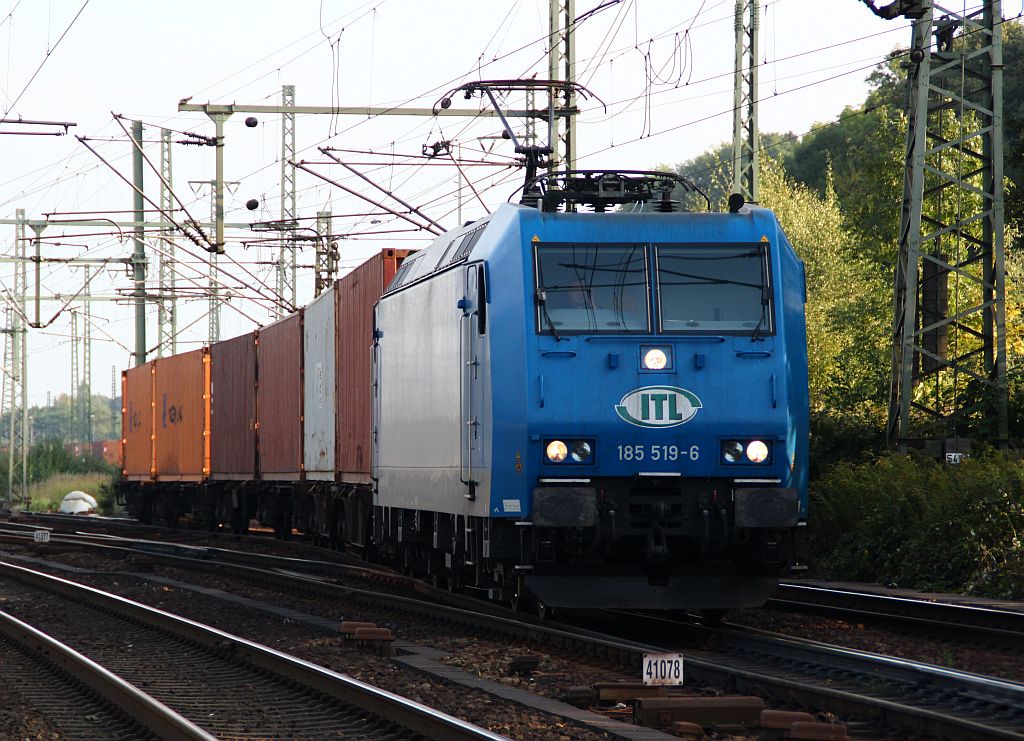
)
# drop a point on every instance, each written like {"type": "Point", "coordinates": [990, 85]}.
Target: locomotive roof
{"type": "Point", "coordinates": [459, 245]}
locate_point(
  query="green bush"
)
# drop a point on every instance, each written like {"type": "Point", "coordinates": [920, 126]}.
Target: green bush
{"type": "Point", "coordinates": [909, 521]}
{"type": "Point", "coordinates": [53, 472]}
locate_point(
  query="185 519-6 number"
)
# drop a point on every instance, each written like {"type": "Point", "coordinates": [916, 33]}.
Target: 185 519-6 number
{"type": "Point", "coordinates": [658, 452]}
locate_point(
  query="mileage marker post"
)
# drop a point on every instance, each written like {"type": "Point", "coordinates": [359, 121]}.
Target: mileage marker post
{"type": "Point", "coordinates": [663, 670]}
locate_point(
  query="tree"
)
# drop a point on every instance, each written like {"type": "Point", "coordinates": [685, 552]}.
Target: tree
{"type": "Point", "coordinates": [848, 299]}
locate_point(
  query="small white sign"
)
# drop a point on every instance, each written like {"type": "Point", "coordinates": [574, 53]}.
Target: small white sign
{"type": "Point", "coordinates": [662, 669]}
{"type": "Point", "coordinates": [41, 536]}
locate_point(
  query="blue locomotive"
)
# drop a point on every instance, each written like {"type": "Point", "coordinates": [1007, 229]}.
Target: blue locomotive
{"type": "Point", "coordinates": [594, 399]}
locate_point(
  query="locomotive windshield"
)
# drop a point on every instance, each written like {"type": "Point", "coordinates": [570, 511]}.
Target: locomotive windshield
{"type": "Point", "coordinates": [591, 288]}
{"type": "Point", "coordinates": [720, 288]}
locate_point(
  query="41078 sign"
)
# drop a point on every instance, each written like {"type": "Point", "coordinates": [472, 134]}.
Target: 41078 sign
{"type": "Point", "coordinates": [663, 669]}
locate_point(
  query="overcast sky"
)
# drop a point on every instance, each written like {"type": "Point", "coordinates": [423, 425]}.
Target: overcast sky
{"type": "Point", "coordinates": [662, 68]}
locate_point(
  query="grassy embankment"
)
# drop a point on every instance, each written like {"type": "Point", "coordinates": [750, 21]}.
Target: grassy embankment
{"type": "Point", "coordinates": [914, 523]}
{"type": "Point", "coordinates": [47, 495]}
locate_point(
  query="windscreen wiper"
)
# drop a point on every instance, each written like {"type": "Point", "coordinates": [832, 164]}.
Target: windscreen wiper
{"type": "Point", "coordinates": [542, 301]}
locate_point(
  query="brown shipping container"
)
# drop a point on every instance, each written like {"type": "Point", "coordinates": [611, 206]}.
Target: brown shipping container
{"type": "Point", "coordinates": [279, 399]}
{"type": "Point", "coordinates": [137, 422]}
{"type": "Point", "coordinates": [110, 452]}
{"type": "Point", "coordinates": [181, 416]}
{"type": "Point", "coordinates": [233, 408]}
{"type": "Point", "coordinates": [356, 294]}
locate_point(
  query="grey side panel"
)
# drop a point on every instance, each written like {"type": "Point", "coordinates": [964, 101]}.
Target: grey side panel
{"type": "Point", "coordinates": [320, 407]}
{"type": "Point", "coordinates": [418, 417]}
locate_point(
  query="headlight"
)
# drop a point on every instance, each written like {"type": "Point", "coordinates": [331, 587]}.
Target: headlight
{"type": "Point", "coordinates": [556, 451]}
{"type": "Point", "coordinates": [746, 451]}
{"type": "Point", "coordinates": [655, 358]}
{"type": "Point", "coordinates": [581, 451]}
{"type": "Point", "coordinates": [569, 451]}
{"type": "Point", "coordinates": [757, 451]}
{"type": "Point", "coordinates": [732, 451]}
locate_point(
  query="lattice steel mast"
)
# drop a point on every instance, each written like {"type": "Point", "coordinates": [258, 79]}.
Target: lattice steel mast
{"type": "Point", "coordinates": [949, 330]}
{"type": "Point", "coordinates": [17, 374]}
{"type": "Point", "coordinates": [286, 265]}
{"type": "Point", "coordinates": [167, 305]}
{"type": "Point", "coordinates": [86, 387]}
{"type": "Point", "coordinates": [73, 399]}
{"type": "Point", "coordinates": [745, 143]}
{"type": "Point", "coordinates": [326, 253]}
{"type": "Point", "coordinates": [562, 67]}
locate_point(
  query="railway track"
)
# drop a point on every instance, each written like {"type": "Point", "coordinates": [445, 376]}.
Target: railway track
{"type": "Point", "coordinates": [961, 622]}
{"type": "Point", "coordinates": [227, 685]}
{"type": "Point", "coordinates": [891, 693]}
{"type": "Point", "coordinates": [84, 700]}
{"type": "Point", "coordinates": [886, 692]}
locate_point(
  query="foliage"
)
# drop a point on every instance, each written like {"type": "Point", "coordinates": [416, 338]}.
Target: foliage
{"type": "Point", "coordinates": [850, 437]}
{"type": "Point", "coordinates": [50, 458]}
{"type": "Point", "coordinates": [49, 493]}
{"type": "Point", "coordinates": [847, 300]}
{"type": "Point", "coordinates": [837, 191]}
{"type": "Point", "coordinates": [909, 521]}
{"type": "Point", "coordinates": [712, 171]}
{"type": "Point", "coordinates": [60, 420]}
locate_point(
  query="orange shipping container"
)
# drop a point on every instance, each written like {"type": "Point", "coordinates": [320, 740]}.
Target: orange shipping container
{"type": "Point", "coordinates": [181, 416]}
{"type": "Point", "coordinates": [137, 422]}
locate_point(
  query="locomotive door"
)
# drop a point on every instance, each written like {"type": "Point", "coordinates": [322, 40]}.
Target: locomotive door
{"type": "Point", "coordinates": [470, 387]}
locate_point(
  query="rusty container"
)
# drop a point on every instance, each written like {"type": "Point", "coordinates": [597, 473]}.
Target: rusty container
{"type": "Point", "coordinates": [137, 422]}
{"type": "Point", "coordinates": [110, 452]}
{"type": "Point", "coordinates": [319, 331]}
{"type": "Point", "coordinates": [279, 399]}
{"type": "Point", "coordinates": [356, 294]}
{"type": "Point", "coordinates": [233, 409]}
{"type": "Point", "coordinates": [181, 416]}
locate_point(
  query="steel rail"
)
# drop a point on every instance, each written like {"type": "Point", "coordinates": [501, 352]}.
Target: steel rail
{"type": "Point", "coordinates": [1007, 624]}
{"type": "Point", "coordinates": [407, 713]}
{"type": "Point", "coordinates": [136, 704]}
{"type": "Point", "coordinates": [713, 667]}
{"type": "Point", "coordinates": [760, 659]}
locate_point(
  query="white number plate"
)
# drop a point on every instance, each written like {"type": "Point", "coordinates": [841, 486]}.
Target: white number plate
{"type": "Point", "coordinates": [669, 453]}
{"type": "Point", "coordinates": [663, 669]}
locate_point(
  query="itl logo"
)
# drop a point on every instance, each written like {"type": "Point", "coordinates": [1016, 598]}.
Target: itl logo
{"type": "Point", "coordinates": [658, 406]}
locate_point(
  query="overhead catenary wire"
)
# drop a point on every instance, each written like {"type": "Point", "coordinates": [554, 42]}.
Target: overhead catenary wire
{"type": "Point", "coordinates": [49, 51]}
{"type": "Point", "coordinates": [439, 192]}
